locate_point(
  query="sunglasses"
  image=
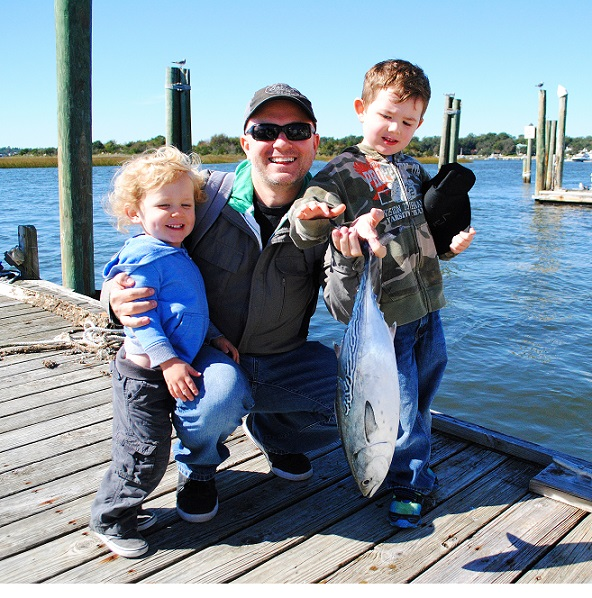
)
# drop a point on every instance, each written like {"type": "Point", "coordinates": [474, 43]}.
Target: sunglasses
{"type": "Point", "coordinates": [270, 132]}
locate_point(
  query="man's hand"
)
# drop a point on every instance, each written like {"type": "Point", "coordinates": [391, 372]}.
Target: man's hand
{"type": "Point", "coordinates": [347, 240]}
{"type": "Point", "coordinates": [462, 241]}
{"type": "Point", "coordinates": [313, 210]}
{"type": "Point", "coordinates": [123, 300]}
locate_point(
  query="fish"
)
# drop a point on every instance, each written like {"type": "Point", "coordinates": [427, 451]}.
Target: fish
{"type": "Point", "coordinates": [368, 397]}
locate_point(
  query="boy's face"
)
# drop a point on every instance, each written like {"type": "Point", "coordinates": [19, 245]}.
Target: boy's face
{"type": "Point", "coordinates": [167, 213]}
{"type": "Point", "coordinates": [389, 125]}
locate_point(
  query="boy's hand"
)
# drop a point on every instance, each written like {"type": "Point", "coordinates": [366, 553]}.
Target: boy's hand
{"type": "Point", "coordinates": [223, 344]}
{"type": "Point", "coordinates": [347, 240]}
{"type": "Point", "coordinates": [462, 241]}
{"type": "Point", "coordinates": [314, 210]}
{"type": "Point", "coordinates": [122, 298]}
{"type": "Point", "coordinates": [177, 375]}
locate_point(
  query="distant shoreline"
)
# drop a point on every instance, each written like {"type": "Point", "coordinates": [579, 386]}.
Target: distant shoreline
{"type": "Point", "coordinates": [100, 160]}
{"type": "Point", "coordinates": [119, 159]}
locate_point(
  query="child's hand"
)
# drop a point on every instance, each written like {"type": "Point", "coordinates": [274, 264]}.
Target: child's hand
{"type": "Point", "coordinates": [347, 240]}
{"type": "Point", "coordinates": [462, 241]}
{"type": "Point", "coordinates": [223, 344]}
{"type": "Point", "coordinates": [313, 210]}
{"type": "Point", "coordinates": [177, 375]}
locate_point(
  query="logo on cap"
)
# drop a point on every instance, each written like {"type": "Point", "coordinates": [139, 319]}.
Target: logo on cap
{"type": "Point", "coordinates": [282, 89]}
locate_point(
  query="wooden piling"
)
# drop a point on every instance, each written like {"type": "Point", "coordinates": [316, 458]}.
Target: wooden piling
{"type": "Point", "coordinates": [550, 153]}
{"type": "Point", "coordinates": [454, 130]}
{"type": "Point", "coordinates": [27, 235]}
{"type": "Point", "coordinates": [560, 144]}
{"type": "Point", "coordinates": [178, 108]}
{"type": "Point", "coordinates": [73, 57]}
{"type": "Point", "coordinates": [446, 126]}
{"type": "Point", "coordinates": [539, 184]}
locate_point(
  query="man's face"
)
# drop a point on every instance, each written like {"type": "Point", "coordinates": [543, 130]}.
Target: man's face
{"type": "Point", "coordinates": [281, 165]}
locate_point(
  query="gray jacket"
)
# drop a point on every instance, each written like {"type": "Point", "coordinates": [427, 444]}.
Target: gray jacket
{"type": "Point", "coordinates": [261, 299]}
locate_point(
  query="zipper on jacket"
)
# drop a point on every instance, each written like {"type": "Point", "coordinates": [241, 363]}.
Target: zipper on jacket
{"type": "Point", "coordinates": [418, 278]}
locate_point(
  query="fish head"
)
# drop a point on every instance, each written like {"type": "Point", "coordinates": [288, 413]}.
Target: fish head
{"type": "Point", "coordinates": [370, 465]}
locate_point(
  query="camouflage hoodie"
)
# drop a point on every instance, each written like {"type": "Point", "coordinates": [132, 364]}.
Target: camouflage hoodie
{"type": "Point", "coordinates": [411, 282]}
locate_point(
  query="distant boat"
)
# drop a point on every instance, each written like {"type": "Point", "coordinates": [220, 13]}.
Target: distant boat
{"type": "Point", "coordinates": [583, 156]}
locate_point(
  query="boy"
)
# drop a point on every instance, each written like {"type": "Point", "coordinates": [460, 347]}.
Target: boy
{"type": "Point", "coordinates": [157, 190]}
{"type": "Point", "coordinates": [375, 182]}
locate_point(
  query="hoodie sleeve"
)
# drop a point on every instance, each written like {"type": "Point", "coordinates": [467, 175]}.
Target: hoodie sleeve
{"type": "Point", "coordinates": [151, 338]}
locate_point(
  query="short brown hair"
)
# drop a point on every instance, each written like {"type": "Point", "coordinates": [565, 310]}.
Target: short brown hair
{"type": "Point", "coordinates": [406, 79]}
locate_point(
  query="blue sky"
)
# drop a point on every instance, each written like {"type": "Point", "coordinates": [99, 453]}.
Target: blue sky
{"type": "Point", "coordinates": [491, 55]}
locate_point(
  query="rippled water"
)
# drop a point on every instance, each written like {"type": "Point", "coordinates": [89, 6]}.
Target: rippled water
{"type": "Point", "coordinates": [518, 315]}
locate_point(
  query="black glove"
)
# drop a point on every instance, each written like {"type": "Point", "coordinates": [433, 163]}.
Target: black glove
{"type": "Point", "coordinates": [446, 204]}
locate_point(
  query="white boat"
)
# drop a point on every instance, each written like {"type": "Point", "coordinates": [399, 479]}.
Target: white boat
{"type": "Point", "coordinates": [583, 156]}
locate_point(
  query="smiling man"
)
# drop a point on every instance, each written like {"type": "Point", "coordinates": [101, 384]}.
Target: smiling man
{"type": "Point", "coordinates": [262, 292]}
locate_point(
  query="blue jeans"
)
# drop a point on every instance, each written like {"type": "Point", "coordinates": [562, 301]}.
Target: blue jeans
{"type": "Point", "coordinates": [294, 394]}
{"type": "Point", "coordinates": [420, 348]}
{"type": "Point", "coordinates": [291, 396]}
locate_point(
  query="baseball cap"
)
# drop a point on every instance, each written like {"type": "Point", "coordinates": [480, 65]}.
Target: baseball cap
{"type": "Point", "coordinates": [278, 91]}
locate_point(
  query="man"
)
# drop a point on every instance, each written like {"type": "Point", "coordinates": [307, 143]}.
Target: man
{"type": "Point", "coordinates": [262, 292]}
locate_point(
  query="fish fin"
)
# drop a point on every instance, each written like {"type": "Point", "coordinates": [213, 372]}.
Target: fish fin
{"type": "Point", "coordinates": [370, 425]}
{"type": "Point", "coordinates": [337, 350]}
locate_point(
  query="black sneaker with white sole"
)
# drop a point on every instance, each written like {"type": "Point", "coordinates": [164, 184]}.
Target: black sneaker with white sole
{"type": "Point", "coordinates": [290, 466]}
{"type": "Point", "coordinates": [197, 501]}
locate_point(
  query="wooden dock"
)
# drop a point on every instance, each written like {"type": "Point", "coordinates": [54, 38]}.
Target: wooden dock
{"type": "Point", "coordinates": [507, 511]}
{"type": "Point", "coordinates": [565, 196]}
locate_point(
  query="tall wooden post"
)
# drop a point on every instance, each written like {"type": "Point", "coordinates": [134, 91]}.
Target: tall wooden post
{"type": "Point", "coordinates": [454, 130]}
{"type": "Point", "coordinates": [530, 135]}
{"type": "Point", "coordinates": [550, 153]}
{"type": "Point", "coordinates": [539, 183]}
{"type": "Point", "coordinates": [445, 139]}
{"type": "Point", "coordinates": [560, 147]}
{"type": "Point", "coordinates": [73, 56]}
{"type": "Point", "coordinates": [178, 109]}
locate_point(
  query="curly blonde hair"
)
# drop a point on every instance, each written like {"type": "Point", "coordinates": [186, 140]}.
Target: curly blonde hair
{"type": "Point", "coordinates": [147, 171]}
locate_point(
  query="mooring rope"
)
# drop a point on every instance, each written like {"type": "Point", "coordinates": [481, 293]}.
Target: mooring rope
{"type": "Point", "coordinates": [103, 341]}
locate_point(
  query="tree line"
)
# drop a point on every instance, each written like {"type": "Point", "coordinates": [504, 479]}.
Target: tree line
{"type": "Point", "coordinates": [219, 145]}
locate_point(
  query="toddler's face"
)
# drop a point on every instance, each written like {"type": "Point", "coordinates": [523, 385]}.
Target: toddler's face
{"type": "Point", "coordinates": [167, 213]}
{"type": "Point", "coordinates": [389, 125]}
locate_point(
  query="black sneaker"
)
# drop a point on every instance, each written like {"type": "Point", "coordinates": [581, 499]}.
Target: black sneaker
{"type": "Point", "coordinates": [197, 501]}
{"type": "Point", "coordinates": [146, 519]}
{"type": "Point", "coordinates": [290, 466]}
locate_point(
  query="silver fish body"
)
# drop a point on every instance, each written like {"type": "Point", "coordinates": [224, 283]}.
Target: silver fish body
{"type": "Point", "coordinates": [368, 397]}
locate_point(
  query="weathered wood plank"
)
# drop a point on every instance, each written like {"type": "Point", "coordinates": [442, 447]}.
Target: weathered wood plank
{"type": "Point", "coordinates": [321, 555]}
{"type": "Point", "coordinates": [257, 543]}
{"type": "Point", "coordinates": [566, 482]}
{"type": "Point", "coordinates": [69, 373]}
{"type": "Point", "coordinates": [247, 494]}
{"type": "Point", "coordinates": [500, 551]}
{"type": "Point", "coordinates": [48, 522]}
{"type": "Point", "coordinates": [569, 562]}
{"type": "Point", "coordinates": [54, 427]}
{"type": "Point", "coordinates": [407, 553]}
{"type": "Point", "coordinates": [76, 439]}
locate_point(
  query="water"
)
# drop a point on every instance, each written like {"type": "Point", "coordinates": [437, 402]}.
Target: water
{"type": "Point", "coordinates": [517, 321]}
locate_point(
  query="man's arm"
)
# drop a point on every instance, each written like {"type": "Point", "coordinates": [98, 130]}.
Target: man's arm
{"type": "Point", "coordinates": [119, 297]}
